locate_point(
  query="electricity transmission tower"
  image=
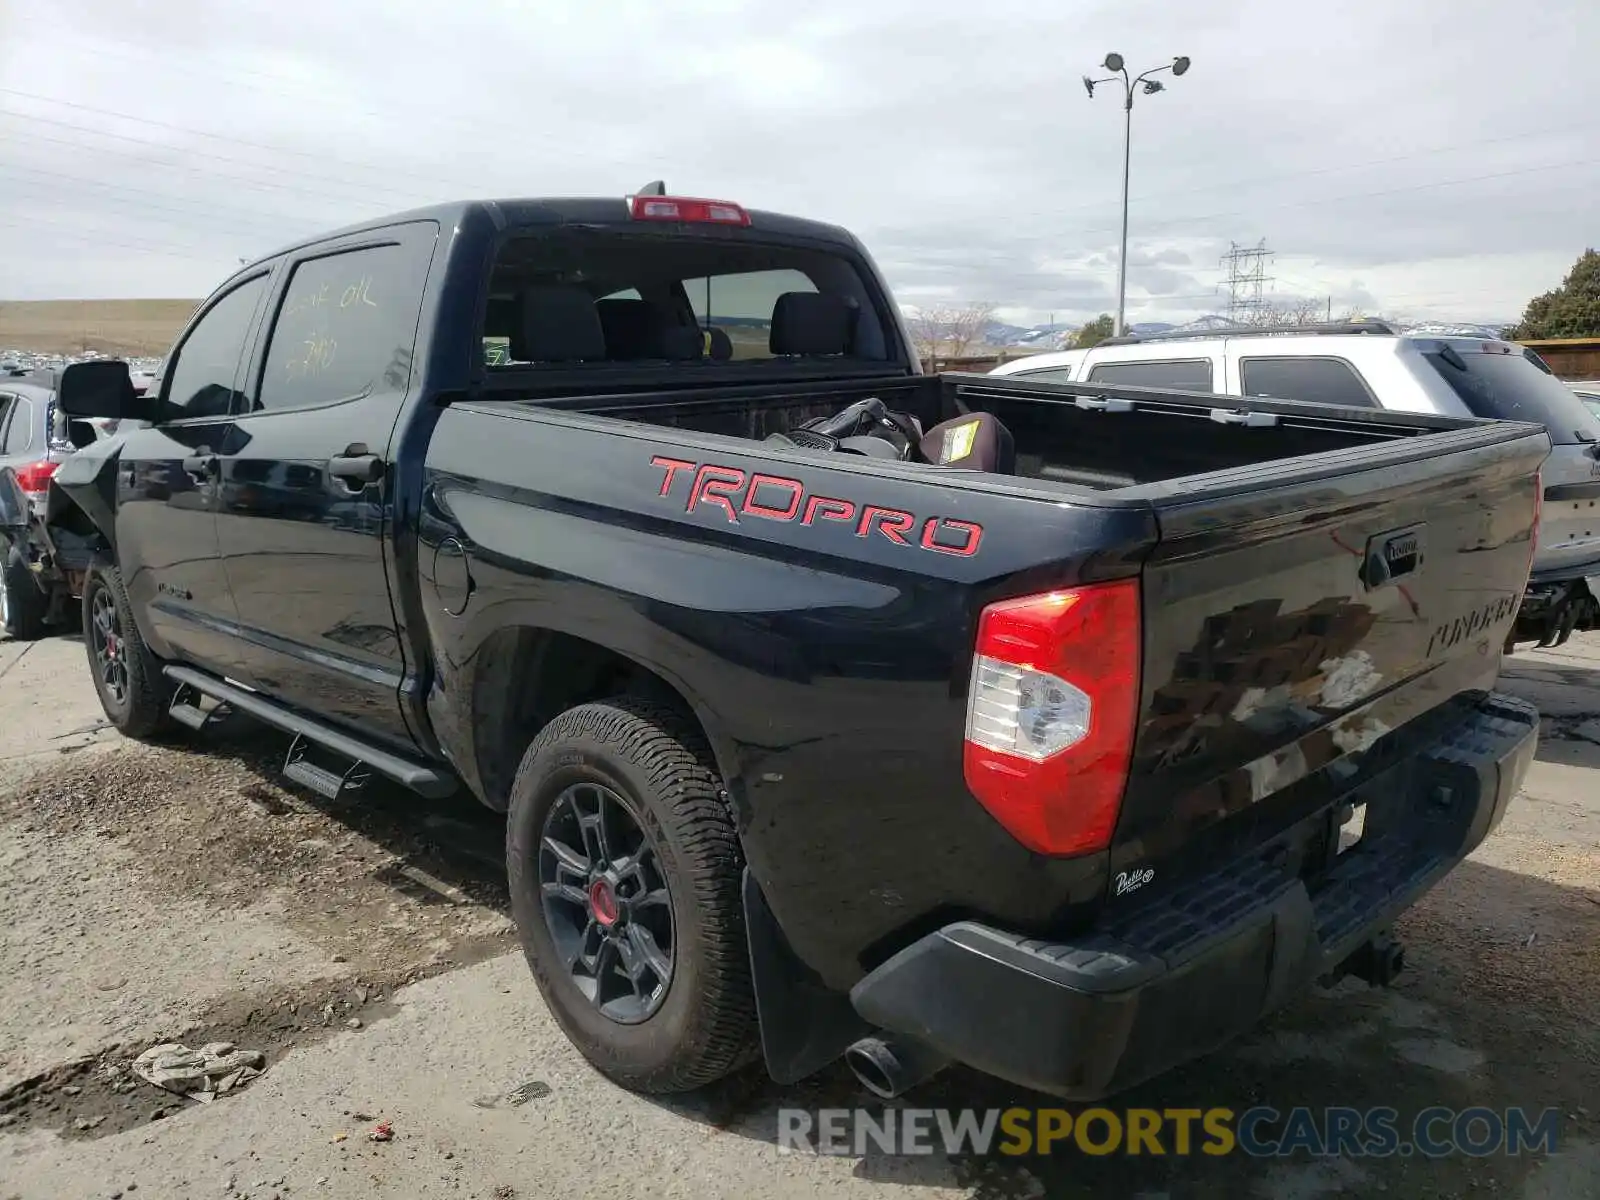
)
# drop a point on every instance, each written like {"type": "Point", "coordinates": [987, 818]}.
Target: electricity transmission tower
{"type": "Point", "coordinates": [1246, 280]}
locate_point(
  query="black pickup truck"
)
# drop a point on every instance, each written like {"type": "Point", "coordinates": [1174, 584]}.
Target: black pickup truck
{"type": "Point", "coordinates": [837, 709]}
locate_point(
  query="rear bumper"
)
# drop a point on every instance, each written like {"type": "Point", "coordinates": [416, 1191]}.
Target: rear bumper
{"type": "Point", "coordinates": [1545, 573]}
{"type": "Point", "coordinates": [1187, 973]}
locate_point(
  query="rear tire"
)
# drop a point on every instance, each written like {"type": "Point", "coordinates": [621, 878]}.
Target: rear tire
{"type": "Point", "coordinates": [127, 676]}
{"type": "Point", "coordinates": [649, 767]}
{"type": "Point", "coordinates": [23, 604]}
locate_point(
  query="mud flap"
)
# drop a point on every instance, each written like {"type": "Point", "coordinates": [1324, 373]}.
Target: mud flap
{"type": "Point", "coordinates": [804, 1025]}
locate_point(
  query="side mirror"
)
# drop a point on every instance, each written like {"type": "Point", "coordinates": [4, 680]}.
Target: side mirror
{"type": "Point", "coordinates": [101, 389]}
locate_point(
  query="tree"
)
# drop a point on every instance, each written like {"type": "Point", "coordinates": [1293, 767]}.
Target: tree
{"type": "Point", "coordinates": [1290, 311]}
{"type": "Point", "coordinates": [950, 330]}
{"type": "Point", "coordinates": [1571, 311]}
{"type": "Point", "coordinates": [1095, 332]}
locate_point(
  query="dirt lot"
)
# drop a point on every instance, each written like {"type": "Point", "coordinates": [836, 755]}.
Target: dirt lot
{"type": "Point", "coordinates": [109, 326]}
{"type": "Point", "coordinates": [183, 894]}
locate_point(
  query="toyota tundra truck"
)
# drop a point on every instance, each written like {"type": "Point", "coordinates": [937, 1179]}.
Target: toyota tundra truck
{"type": "Point", "coordinates": [837, 710]}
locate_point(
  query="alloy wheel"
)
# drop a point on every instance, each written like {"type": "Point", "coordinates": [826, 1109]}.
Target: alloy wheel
{"type": "Point", "coordinates": [606, 902]}
{"type": "Point", "coordinates": [109, 646]}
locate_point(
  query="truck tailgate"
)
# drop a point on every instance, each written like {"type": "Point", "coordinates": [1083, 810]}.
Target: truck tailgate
{"type": "Point", "coordinates": [1298, 632]}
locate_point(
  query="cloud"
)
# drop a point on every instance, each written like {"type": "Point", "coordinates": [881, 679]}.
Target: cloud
{"type": "Point", "coordinates": [167, 141]}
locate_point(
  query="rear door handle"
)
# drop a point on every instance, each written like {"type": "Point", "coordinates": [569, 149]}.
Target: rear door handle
{"type": "Point", "coordinates": [201, 466]}
{"type": "Point", "coordinates": [356, 468]}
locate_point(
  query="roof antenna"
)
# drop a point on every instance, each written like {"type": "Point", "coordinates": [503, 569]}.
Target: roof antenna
{"type": "Point", "coordinates": [656, 187]}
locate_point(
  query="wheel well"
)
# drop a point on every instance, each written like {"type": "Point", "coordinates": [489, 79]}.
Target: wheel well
{"type": "Point", "coordinates": [528, 677]}
{"type": "Point", "coordinates": [74, 520]}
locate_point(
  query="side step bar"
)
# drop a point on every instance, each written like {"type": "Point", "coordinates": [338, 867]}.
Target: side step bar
{"type": "Point", "coordinates": [425, 780]}
{"type": "Point", "coordinates": [187, 708]}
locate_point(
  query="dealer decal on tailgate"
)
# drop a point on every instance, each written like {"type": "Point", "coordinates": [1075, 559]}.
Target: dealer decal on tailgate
{"type": "Point", "coordinates": [737, 493]}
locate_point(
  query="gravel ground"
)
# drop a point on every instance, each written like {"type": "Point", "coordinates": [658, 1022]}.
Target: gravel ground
{"type": "Point", "coordinates": [181, 893]}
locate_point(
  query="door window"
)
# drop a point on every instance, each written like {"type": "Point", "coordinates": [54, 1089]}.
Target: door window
{"type": "Point", "coordinates": [1314, 380]}
{"type": "Point", "coordinates": [200, 376]}
{"type": "Point", "coordinates": [345, 327]}
{"type": "Point", "coordinates": [1191, 373]}
{"type": "Point", "coordinates": [19, 434]}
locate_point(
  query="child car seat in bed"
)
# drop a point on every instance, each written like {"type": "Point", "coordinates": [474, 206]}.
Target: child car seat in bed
{"type": "Point", "coordinates": [975, 442]}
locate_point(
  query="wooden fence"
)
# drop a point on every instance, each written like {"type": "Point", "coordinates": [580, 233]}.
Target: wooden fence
{"type": "Point", "coordinates": [1569, 358]}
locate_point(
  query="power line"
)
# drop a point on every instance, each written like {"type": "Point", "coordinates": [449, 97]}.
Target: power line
{"type": "Point", "coordinates": [276, 86]}
{"type": "Point", "coordinates": [281, 227]}
{"type": "Point", "coordinates": [320, 193]}
{"type": "Point", "coordinates": [169, 148]}
{"type": "Point", "coordinates": [1426, 152]}
{"type": "Point", "coordinates": [229, 139]}
{"type": "Point", "coordinates": [1165, 222]}
{"type": "Point", "coordinates": [91, 236]}
{"type": "Point", "coordinates": [139, 52]}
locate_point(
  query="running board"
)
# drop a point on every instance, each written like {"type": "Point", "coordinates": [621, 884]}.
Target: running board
{"type": "Point", "coordinates": [425, 780]}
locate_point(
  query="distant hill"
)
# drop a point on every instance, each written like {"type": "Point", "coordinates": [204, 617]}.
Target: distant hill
{"type": "Point", "coordinates": [134, 327]}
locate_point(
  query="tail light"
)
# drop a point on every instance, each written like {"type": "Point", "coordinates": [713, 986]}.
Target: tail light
{"type": "Point", "coordinates": [1051, 714]}
{"type": "Point", "coordinates": [684, 208]}
{"type": "Point", "coordinates": [34, 478]}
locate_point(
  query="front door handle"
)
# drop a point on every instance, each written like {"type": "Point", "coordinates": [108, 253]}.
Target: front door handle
{"type": "Point", "coordinates": [201, 466]}
{"type": "Point", "coordinates": [356, 468]}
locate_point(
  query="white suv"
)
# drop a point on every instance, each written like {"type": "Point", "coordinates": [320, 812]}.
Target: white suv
{"type": "Point", "coordinates": [1368, 364]}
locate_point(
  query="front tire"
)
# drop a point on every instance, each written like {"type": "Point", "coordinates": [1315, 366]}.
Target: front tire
{"type": "Point", "coordinates": [624, 868]}
{"type": "Point", "coordinates": [22, 604]}
{"type": "Point", "coordinates": [127, 675]}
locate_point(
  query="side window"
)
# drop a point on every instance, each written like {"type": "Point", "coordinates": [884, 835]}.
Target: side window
{"type": "Point", "coordinates": [1191, 373]}
{"type": "Point", "coordinates": [741, 305]}
{"type": "Point", "coordinates": [6, 402]}
{"type": "Point", "coordinates": [200, 375]}
{"type": "Point", "coordinates": [1048, 375]}
{"type": "Point", "coordinates": [746, 296]}
{"type": "Point", "coordinates": [19, 434]}
{"type": "Point", "coordinates": [345, 327]}
{"type": "Point", "coordinates": [1315, 380]}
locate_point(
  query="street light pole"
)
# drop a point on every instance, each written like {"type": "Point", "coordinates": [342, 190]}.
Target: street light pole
{"type": "Point", "coordinates": [1122, 255]}
{"type": "Point", "coordinates": [1119, 72]}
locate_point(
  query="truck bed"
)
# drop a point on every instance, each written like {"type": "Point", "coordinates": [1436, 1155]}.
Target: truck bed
{"type": "Point", "coordinates": [1086, 436]}
{"type": "Point", "coordinates": [1291, 621]}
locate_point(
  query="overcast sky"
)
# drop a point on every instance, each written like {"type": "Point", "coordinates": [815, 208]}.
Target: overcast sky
{"type": "Point", "coordinates": [1426, 158]}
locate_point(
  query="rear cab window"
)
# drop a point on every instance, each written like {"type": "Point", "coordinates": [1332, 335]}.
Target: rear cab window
{"type": "Point", "coordinates": [567, 298]}
{"type": "Point", "coordinates": [1496, 382]}
{"type": "Point", "coordinates": [1314, 380]}
{"type": "Point", "coordinates": [1192, 374]}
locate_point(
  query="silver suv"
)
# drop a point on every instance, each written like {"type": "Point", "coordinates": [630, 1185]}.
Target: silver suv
{"type": "Point", "coordinates": [1368, 364]}
{"type": "Point", "coordinates": [35, 436]}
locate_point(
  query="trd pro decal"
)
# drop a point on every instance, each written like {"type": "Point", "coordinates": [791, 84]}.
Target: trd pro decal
{"type": "Point", "coordinates": [738, 494]}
